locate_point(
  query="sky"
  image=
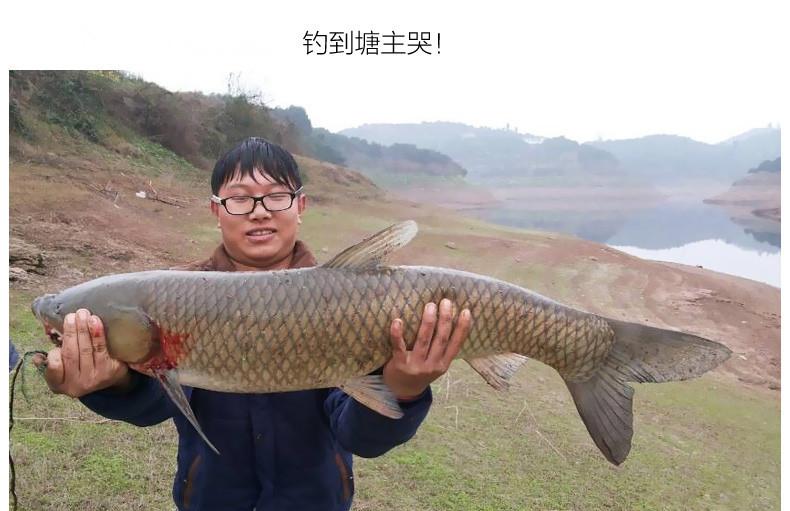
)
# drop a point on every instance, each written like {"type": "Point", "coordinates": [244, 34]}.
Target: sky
{"type": "Point", "coordinates": [584, 70]}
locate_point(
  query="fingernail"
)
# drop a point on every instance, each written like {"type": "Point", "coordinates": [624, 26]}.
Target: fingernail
{"type": "Point", "coordinates": [70, 319]}
{"type": "Point", "coordinates": [94, 325]}
{"type": "Point", "coordinates": [430, 308]}
{"type": "Point", "coordinates": [465, 313]}
{"type": "Point", "coordinates": [445, 304]}
{"type": "Point", "coordinates": [83, 314]}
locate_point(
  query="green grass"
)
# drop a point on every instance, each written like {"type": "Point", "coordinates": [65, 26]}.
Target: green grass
{"type": "Point", "coordinates": [705, 444]}
{"type": "Point", "coordinates": [155, 160]}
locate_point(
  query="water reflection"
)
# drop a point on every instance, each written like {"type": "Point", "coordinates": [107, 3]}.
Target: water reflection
{"type": "Point", "coordinates": [718, 255]}
{"type": "Point", "coordinates": [674, 224]}
{"type": "Point", "coordinates": [689, 232]}
{"type": "Point", "coordinates": [669, 224]}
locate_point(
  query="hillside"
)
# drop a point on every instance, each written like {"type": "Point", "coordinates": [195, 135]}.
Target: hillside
{"type": "Point", "coordinates": [770, 166]}
{"type": "Point", "coordinates": [755, 200]}
{"type": "Point", "coordinates": [496, 157]}
{"type": "Point", "coordinates": [668, 159]}
{"type": "Point", "coordinates": [123, 113]}
{"type": "Point", "coordinates": [389, 165]}
{"type": "Point", "coordinates": [74, 215]}
{"type": "Point", "coordinates": [760, 188]}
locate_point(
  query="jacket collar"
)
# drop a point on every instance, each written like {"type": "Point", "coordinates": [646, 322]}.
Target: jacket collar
{"type": "Point", "coordinates": [221, 261]}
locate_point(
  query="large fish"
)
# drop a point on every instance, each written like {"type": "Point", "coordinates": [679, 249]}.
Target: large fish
{"type": "Point", "coordinates": [329, 327]}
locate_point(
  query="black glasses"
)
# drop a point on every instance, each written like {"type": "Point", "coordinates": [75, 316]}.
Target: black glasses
{"type": "Point", "coordinates": [245, 204]}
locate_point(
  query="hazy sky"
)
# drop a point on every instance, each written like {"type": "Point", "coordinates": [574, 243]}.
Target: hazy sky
{"type": "Point", "coordinates": [708, 70]}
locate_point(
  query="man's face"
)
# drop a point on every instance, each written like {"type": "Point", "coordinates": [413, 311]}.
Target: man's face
{"type": "Point", "coordinates": [260, 240]}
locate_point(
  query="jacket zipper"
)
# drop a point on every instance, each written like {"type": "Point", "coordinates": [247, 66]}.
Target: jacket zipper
{"type": "Point", "coordinates": [188, 482]}
{"type": "Point", "coordinates": [345, 477]}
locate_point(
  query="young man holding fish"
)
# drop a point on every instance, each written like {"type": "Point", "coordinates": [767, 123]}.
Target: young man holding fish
{"type": "Point", "coordinates": [279, 451]}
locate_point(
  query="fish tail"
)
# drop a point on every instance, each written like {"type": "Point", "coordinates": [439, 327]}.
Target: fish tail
{"type": "Point", "coordinates": [639, 354]}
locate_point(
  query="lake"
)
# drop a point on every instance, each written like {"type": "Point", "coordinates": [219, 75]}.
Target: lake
{"type": "Point", "coordinates": [682, 231]}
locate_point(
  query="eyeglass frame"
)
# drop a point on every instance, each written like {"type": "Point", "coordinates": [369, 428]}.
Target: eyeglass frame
{"type": "Point", "coordinates": [256, 200]}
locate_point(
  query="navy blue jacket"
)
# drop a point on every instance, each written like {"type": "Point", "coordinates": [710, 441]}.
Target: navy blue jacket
{"type": "Point", "coordinates": [282, 451]}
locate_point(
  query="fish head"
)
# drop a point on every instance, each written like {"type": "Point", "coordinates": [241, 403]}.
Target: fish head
{"type": "Point", "coordinates": [49, 310]}
{"type": "Point", "coordinates": [131, 336]}
{"type": "Point", "coordinates": [52, 309]}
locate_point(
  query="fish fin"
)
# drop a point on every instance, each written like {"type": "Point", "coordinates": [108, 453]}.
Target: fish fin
{"type": "Point", "coordinates": [605, 405]}
{"type": "Point", "coordinates": [373, 251]}
{"type": "Point", "coordinates": [169, 380]}
{"type": "Point", "coordinates": [372, 392]}
{"type": "Point", "coordinates": [642, 354]}
{"type": "Point", "coordinates": [497, 369]}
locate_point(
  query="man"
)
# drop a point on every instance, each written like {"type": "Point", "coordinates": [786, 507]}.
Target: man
{"type": "Point", "coordinates": [279, 451]}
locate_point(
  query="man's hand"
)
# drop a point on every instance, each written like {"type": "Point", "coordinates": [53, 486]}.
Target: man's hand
{"type": "Point", "coordinates": [409, 373]}
{"type": "Point", "coordinates": [82, 365]}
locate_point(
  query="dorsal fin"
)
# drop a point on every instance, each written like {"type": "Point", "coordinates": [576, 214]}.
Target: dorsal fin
{"type": "Point", "coordinates": [373, 251]}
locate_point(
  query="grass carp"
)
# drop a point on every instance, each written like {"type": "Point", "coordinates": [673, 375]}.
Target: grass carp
{"type": "Point", "coordinates": [328, 326]}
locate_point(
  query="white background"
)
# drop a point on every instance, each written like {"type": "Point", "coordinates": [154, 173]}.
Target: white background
{"type": "Point", "coordinates": [586, 70]}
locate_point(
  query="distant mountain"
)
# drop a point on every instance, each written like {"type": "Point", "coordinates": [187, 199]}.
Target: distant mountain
{"type": "Point", "coordinates": [386, 164]}
{"type": "Point", "coordinates": [665, 159]}
{"type": "Point", "coordinates": [768, 166]}
{"type": "Point", "coordinates": [756, 132]}
{"type": "Point", "coordinates": [758, 194]}
{"type": "Point", "coordinates": [502, 155]}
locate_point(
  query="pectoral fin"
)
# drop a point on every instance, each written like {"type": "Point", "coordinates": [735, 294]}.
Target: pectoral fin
{"type": "Point", "coordinates": [169, 380]}
{"type": "Point", "coordinates": [497, 369]}
{"type": "Point", "coordinates": [372, 392]}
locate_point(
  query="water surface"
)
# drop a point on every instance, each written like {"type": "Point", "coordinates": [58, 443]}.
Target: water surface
{"type": "Point", "coordinates": [682, 231]}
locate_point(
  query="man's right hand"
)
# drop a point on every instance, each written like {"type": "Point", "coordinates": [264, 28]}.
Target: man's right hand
{"type": "Point", "coordinates": [82, 365]}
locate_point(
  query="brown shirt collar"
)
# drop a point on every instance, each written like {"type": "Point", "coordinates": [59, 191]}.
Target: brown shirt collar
{"type": "Point", "coordinates": [221, 261]}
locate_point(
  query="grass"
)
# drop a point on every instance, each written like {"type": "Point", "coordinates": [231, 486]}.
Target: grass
{"type": "Point", "coordinates": [706, 444]}
{"type": "Point", "coordinates": [156, 160]}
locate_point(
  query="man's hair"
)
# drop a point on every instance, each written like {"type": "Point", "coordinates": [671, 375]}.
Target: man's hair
{"type": "Point", "coordinates": [252, 155]}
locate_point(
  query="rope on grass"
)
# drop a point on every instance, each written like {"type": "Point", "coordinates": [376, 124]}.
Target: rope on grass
{"type": "Point", "coordinates": [19, 365]}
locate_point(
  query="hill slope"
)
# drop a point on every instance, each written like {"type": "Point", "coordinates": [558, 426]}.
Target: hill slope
{"type": "Point", "coordinates": [667, 159]}
{"type": "Point", "coordinates": [123, 113]}
{"type": "Point", "coordinates": [755, 202]}
{"type": "Point", "coordinates": [495, 157]}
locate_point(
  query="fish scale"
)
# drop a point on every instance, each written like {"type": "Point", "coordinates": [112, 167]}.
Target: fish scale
{"type": "Point", "coordinates": [341, 329]}
{"type": "Point", "coordinates": [330, 327]}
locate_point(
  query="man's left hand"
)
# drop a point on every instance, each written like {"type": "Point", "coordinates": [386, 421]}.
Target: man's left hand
{"type": "Point", "coordinates": [409, 372]}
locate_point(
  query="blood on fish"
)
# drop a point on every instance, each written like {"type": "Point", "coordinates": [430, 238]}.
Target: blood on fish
{"type": "Point", "coordinates": [172, 350]}
{"type": "Point", "coordinates": [173, 346]}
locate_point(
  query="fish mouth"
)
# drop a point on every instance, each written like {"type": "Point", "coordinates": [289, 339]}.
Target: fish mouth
{"type": "Point", "coordinates": [54, 335]}
{"type": "Point", "coordinates": [42, 310]}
